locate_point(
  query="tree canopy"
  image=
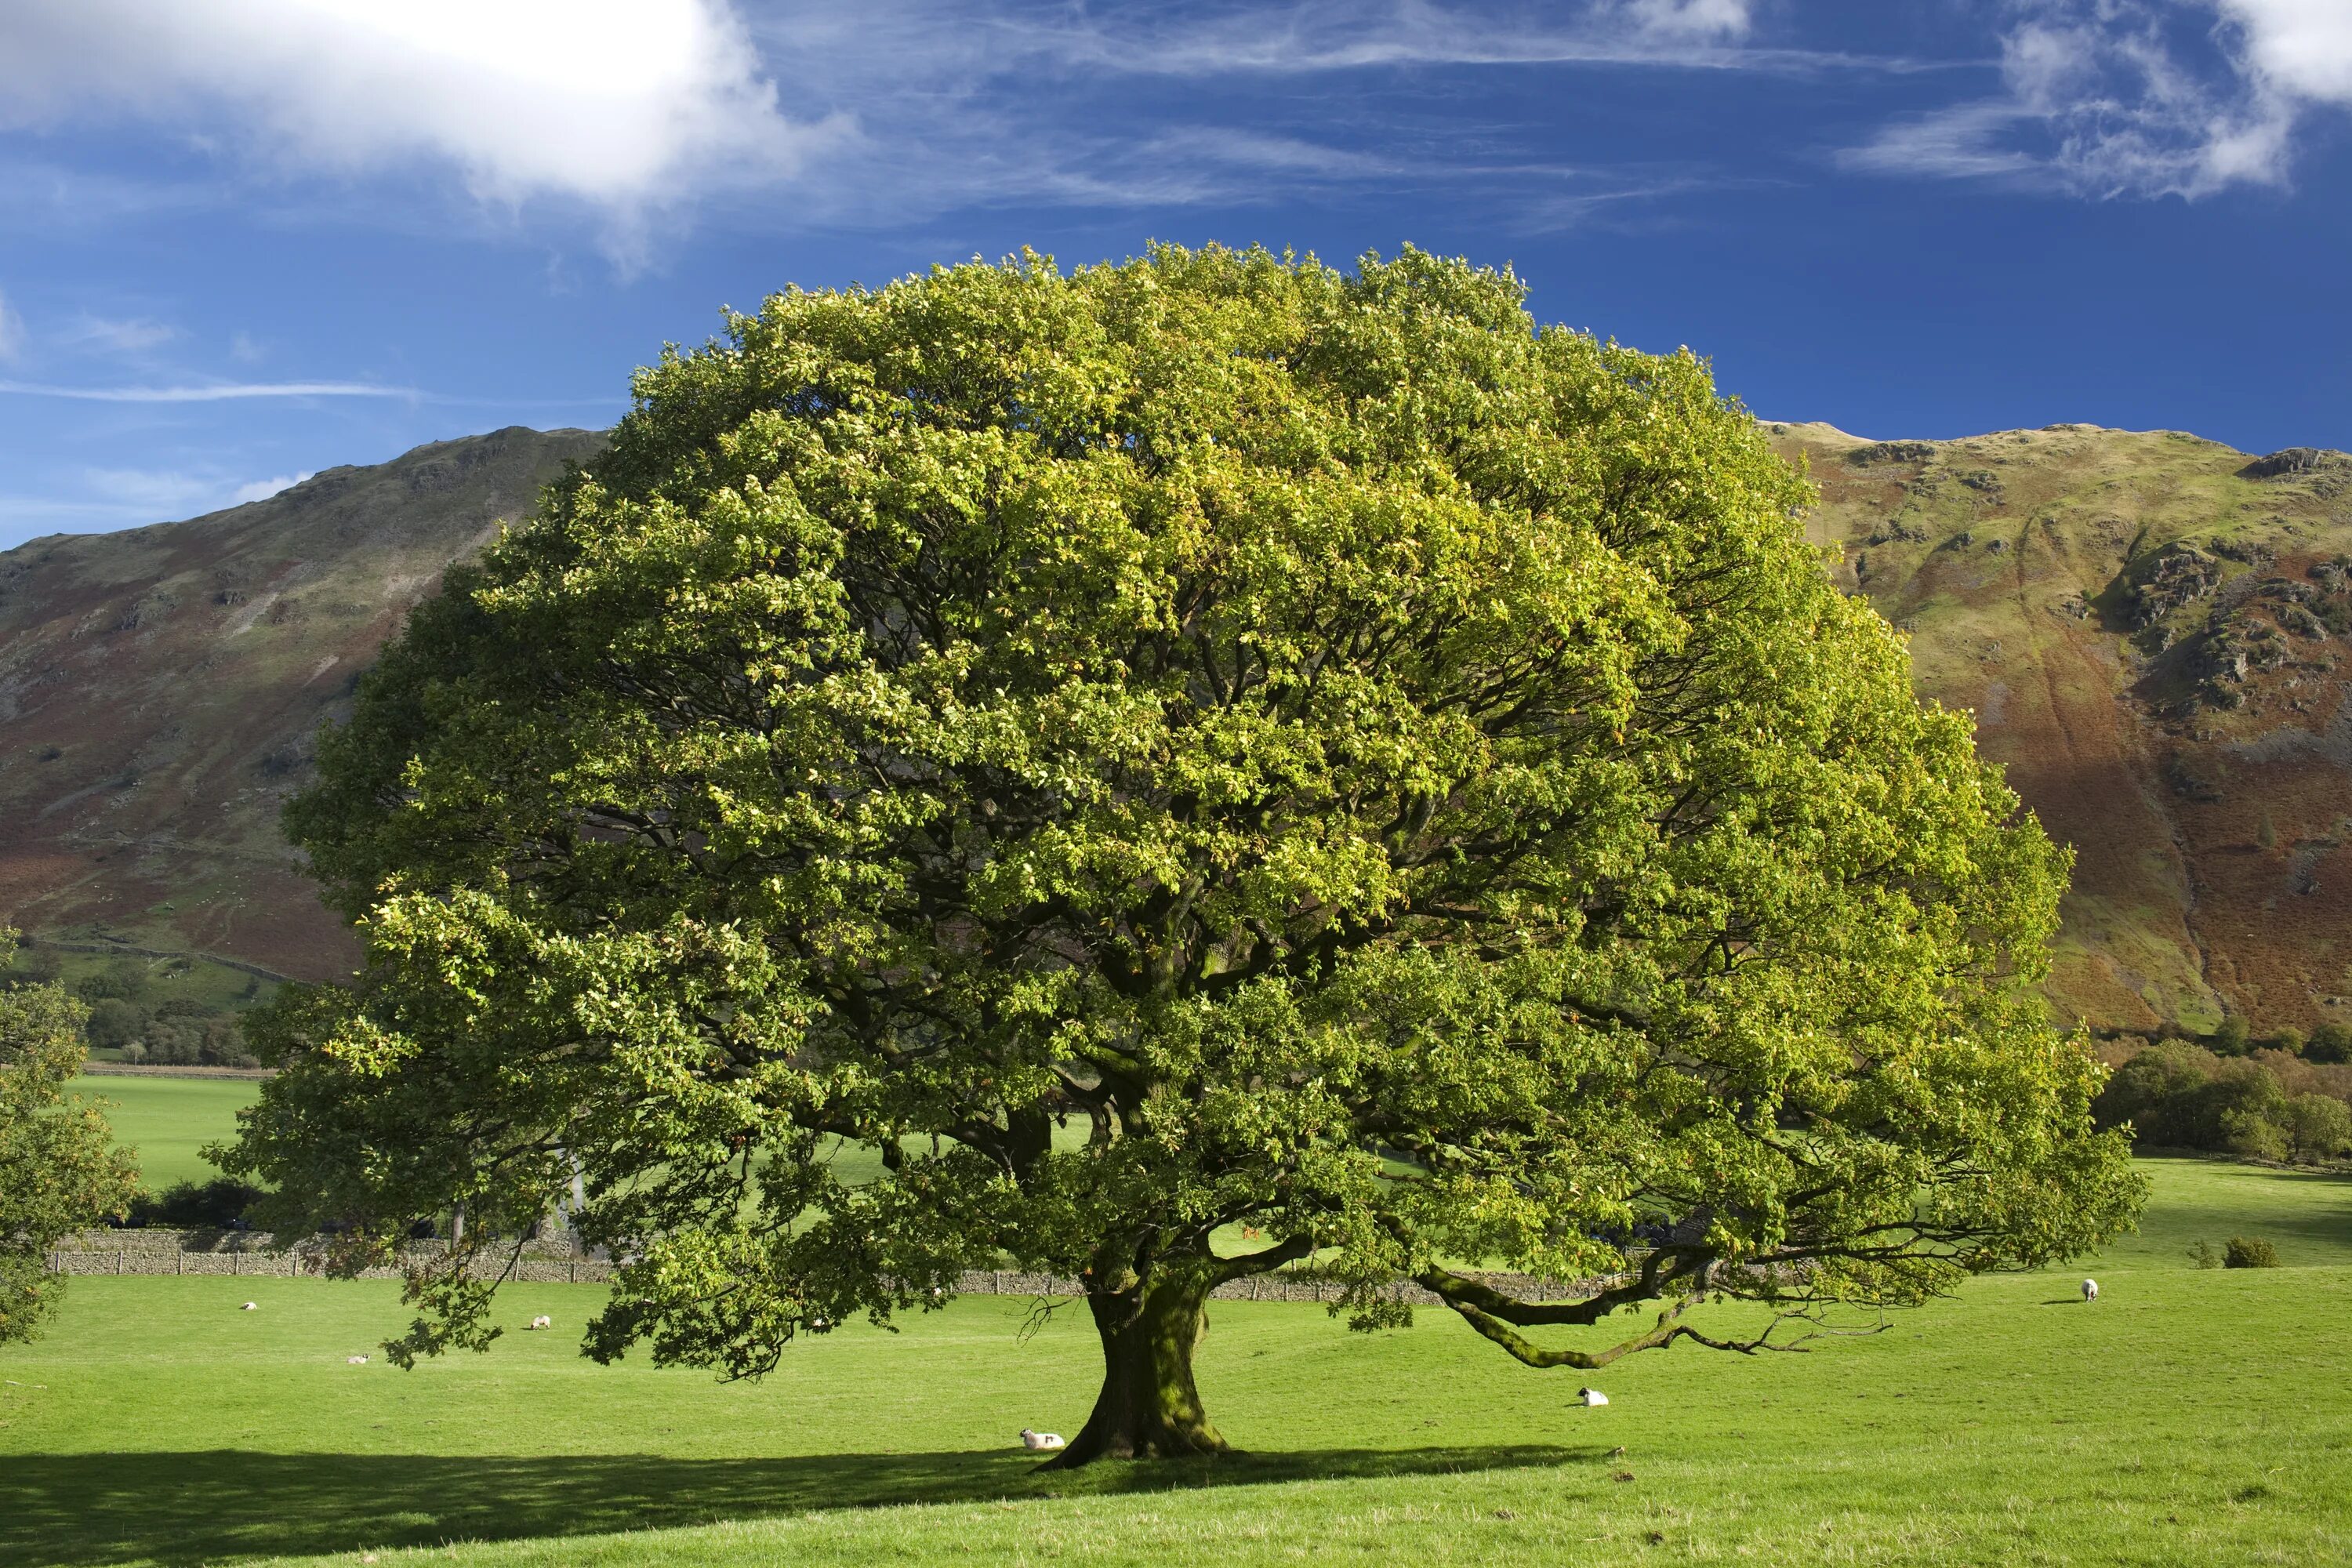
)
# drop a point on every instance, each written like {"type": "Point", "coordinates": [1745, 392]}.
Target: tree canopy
{"type": "Point", "coordinates": [60, 1170]}
{"type": "Point", "coordinates": [1204, 763]}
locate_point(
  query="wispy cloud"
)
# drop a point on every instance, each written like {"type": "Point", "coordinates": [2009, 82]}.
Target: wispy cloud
{"type": "Point", "coordinates": [218, 393]}
{"type": "Point", "coordinates": [150, 491]}
{"type": "Point", "coordinates": [2117, 98]}
{"type": "Point", "coordinates": [875, 113]}
{"type": "Point", "coordinates": [123, 335]}
{"type": "Point", "coordinates": [12, 330]}
{"type": "Point", "coordinates": [110, 498]}
{"type": "Point", "coordinates": [931, 48]}
{"type": "Point", "coordinates": [960, 104]}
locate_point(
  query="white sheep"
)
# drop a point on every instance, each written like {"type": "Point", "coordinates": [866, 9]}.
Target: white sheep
{"type": "Point", "coordinates": [543, 1322]}
{"type": "Point", "coordinates": [2090, 1289]}
{"type": "Point", "coordinates": [1030, 1439]}
{"type": "Point", "coordinates": [1593, 1397]}
{"type": "Point", "coordinates": [355, 1360]}
{"type": "Point", "coordinates": [248, 1307]}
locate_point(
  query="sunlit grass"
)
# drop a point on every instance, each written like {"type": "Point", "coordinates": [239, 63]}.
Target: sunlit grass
{"type": "Point", "coordinates": [2187, 1416]}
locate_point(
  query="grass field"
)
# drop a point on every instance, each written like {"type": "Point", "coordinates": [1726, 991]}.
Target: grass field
{"type": "Point", "coordinates": [167, 1119]}
{"type": "Point", "coordinates": [2188, 1416]}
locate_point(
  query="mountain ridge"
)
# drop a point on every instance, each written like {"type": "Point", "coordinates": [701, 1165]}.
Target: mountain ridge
{"type": "Point", "coordinates": [2134, 617]}
{"type": "Point", "coordinates": [2151, 628]}
{"type": "Point", "coordinates": [159, 689]}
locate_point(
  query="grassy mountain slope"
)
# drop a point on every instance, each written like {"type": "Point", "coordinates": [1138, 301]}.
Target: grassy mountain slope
{"type": "Point", "coordinates": [2150, 628]}
{"type": "Point", "coordinates": [160, 689]}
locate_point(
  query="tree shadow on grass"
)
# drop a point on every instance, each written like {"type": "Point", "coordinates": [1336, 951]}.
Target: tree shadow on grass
{"type": "Point", "coordinates": [61, 1511]}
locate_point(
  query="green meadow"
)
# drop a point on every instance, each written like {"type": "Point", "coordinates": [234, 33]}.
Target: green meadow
{"type": "Point", "coordinates": [168, 1121]}
{"type": "Point", "coordinates": [2188, 1416]}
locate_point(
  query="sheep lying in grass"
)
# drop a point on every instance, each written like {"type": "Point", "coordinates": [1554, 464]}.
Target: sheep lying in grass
{"type": "Point", "coordinates": [248, 1307]}
{"type": "Point", "coordinates": [1593, 1397]}
{"type": "Point", "coordinates": [1030, 1439]}
{"type": "Point", "coordinates": [2090, 1289]}
{"type": "Point", "coordinates": [355, 1360]}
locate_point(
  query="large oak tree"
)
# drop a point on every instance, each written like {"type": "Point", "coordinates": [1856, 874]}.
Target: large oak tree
{"type": "Point", "coordinates": [1205, 764]}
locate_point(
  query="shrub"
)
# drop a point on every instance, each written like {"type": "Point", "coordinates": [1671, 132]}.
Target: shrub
{"type": "Point", "coordinates": [2330, 1043]}
{"type": "Point", "coordinates": [2316, 1127]}
{"type": "Point", "coordinates": [2250, 1130]}
{"type": "Point", "coordinates": [2291, 1041]}
{"type": "Point", "coordinates": [223, 1045]}
{"type": "Point", "coordinates": [114, 1023]}
{"type": "Point", "coordinates": [2298, 1076]}
{"type": "Point", "coordinates": [177, 1038]}
{"type": "Point", "coordinates": [2202, 1256]}
{"type": "Point", "coordinates": [124, 980]}
{"type": "Point", "coordinates": [2143, 1089]}
{"type": "Point", "coordinates": [2230, 1038]}
{"type": "Point", "coordinates": [217, 1204]}
{"type": "Point", "coordinates": [2178, 1094]}
{"type": "Point", "coordinates": [2248, 1252]}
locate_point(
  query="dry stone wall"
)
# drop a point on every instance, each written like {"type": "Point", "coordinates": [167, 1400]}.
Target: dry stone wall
{"type": "Point", "coordinates": [555, 1261]}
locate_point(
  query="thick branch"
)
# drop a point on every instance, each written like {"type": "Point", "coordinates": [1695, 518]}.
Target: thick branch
{"type": "Point", "coordinates": [1669, 1329]}
{"type": "Point", "coordinates": [1223, 1269]}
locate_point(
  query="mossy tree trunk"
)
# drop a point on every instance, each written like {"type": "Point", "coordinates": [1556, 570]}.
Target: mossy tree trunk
{"type": "Point", "coordinates": [1150, 1407]}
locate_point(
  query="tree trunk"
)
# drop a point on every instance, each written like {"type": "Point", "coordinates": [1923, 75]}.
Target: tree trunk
{"type": "Point", "coordinates": [1149, 1406]}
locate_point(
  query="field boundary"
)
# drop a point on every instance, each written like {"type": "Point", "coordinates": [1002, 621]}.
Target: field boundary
{"type": "Point", "coordinates": [257, 1254]}
{"type": "Point", "coordinates": [108, 945]}
{"type": "Point", "coordinates": [95, 1068]}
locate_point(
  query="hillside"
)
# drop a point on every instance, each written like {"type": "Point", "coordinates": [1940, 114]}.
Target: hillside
{"type": "Point", "coordinates": [160, 690]}
{"type": "Point", "coordinates": [2150, 628]}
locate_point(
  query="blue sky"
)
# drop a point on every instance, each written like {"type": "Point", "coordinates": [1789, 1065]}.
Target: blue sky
{"type": "Point", "coordinates": [247, 240]}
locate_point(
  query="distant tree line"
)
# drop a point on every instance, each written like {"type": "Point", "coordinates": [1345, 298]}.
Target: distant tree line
{"type": "Point", "coordinates": [127, 1018]}
{"type": "Point", "coordinates": [2287, 1098]}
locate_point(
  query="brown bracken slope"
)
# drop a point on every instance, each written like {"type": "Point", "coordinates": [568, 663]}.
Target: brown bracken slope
{"type": "Point", "coordinates": [2151, 629]}
{"type": "Point", "coordinates": [161, 690]}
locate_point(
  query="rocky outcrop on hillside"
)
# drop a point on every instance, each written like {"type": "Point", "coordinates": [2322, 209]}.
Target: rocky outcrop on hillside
{"type": "Point", "coordinates": [2155, 634]}
{"type": "Point", "coordinates": [161, 690]}
{"type": "Point", "coordinates": [2152, 631]}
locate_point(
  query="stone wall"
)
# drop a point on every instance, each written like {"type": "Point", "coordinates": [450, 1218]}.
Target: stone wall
{"type": "Point", "coordinates": [555, 1261]}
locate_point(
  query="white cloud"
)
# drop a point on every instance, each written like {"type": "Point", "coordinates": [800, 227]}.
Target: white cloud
{"type": "Point", "coordinates": [881, 111]}
{"type": "Point", "coordinates": [110, 335]}
{"type": "Point", "coordinates": [1712, 20]}
{"type": "Point", "coordinates": [222, 392]}
{"type": "Point", "coordinates": [262, 489]}
{"type": "Point", "coordinates": [626, 104]}
{"type": "Point", "coordinates": [2114, 98]}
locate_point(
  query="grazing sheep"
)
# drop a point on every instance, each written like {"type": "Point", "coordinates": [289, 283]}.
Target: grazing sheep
{"type": "Point", "coordinates": [355, 1360]}
{"type": "Point", "coordinates": [543, 1322]}
{"type": "Point", "coordinates": [1030, 1439]}
{"type": "Point", "coordinates": [1593, 1397]}
{"type": "Point", "coordinates": [248, 1307]}
{"type": "Point", "coordinates": [2090, 1289]}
